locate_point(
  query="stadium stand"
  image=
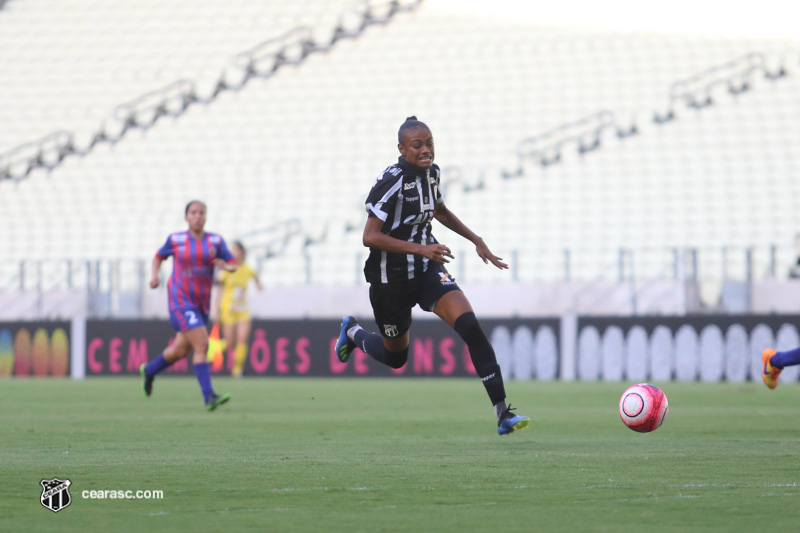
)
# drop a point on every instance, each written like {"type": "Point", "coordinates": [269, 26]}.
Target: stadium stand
{"type": "Point", "coordinates": [129, 55]}
{"type": "Point", "coordinates": [287, 160]}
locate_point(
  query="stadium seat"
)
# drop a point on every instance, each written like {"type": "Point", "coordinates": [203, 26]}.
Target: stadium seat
{"type": "Point", "coordinates": [308, 142]}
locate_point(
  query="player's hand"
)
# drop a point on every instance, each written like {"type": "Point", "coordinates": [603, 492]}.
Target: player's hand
{"type": "Point", "coordinates": [487, 255]}
{"type": "Point", "coordinates": [438, 253]}
{"type": "Point", "coordinates": [154, 283]}
{"type": "Point", "coordinates": [223, 265]}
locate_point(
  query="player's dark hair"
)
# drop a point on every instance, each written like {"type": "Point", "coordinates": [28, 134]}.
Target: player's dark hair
{"type": "Point", "coordinates": [186, 212]}
{"type": "Point", "coordinates": [410, 124]}
{"type": "Point", "coordinates": [241, 247]}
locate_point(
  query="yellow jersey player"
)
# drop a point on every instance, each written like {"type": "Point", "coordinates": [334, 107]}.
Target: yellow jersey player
{"type": "Point", "coordinates": [234, 313]}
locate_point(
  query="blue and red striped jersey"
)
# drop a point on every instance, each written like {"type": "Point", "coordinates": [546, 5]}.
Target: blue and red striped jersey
{"type": "Point", "coordinates": [193, 268]}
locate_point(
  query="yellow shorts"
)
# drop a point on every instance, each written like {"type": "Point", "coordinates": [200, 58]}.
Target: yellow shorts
{"type": "Point", "coordinates": [228, 318]}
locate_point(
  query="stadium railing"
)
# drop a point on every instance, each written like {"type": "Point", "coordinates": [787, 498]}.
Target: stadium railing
{"type": "Point", "coordinates": [116, 287]}
{"type": "Point", "coordinates": [263, 60]}
{"type": "Point", "coordinates": [693, 92]}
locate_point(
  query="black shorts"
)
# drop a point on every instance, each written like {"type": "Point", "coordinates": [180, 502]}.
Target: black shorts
{"type": "Point", "coordinates": [392, 302]}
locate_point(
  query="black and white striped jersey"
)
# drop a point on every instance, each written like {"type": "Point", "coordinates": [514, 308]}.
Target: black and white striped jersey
{"type": "Point", "coordinates": [404, 197]}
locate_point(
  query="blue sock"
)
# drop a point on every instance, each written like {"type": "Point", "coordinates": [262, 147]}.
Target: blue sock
{"type": "Point", "coordinates": [371, 343]}
{"type": "Point", "coordinates": [156, 365]}
{"type": "Point", "coordinates": [788, 358]}
{"type": "Point", "coordinates": [204, 378]}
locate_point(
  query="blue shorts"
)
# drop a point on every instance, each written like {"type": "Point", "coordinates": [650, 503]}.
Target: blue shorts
{"type": "Point", "coordinates": [187, 318]}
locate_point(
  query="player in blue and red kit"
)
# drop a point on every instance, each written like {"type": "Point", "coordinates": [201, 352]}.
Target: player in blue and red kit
{"type": "Point", "coordinates": [195, 254]}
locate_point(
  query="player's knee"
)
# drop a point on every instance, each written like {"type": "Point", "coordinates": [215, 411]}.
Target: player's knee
{"type": "Point", "coordinates": [397, 359]}
{"type": "Point", "coordinates": [468, 327]}
{"type": "Point", "coordinates": [200, 354]}
{"type": "Point", "coordinates": [480, 349]}
{"type": "Point", "coordinates": [175, 353]}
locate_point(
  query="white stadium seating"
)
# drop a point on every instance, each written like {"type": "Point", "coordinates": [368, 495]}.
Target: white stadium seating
{"type": "Point", "coordinates": [306, 143]}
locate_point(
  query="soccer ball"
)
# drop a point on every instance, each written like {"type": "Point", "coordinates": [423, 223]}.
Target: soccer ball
{"type": "Point", "coordinates": [643, 407]}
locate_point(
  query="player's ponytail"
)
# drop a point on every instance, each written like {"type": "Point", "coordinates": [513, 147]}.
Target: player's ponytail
{"type": "Point", "coordinates": [411, 123]}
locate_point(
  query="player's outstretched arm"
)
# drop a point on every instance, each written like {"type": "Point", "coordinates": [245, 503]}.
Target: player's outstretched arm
{"type": "Point", "coordinates": [452, 222]}
{"type": "Point", "coordinates": [228, 266]}
{"type": "Point", "coordinates": [156, 268]}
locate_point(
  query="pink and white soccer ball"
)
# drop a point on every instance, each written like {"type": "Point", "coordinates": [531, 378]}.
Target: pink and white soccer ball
{"type": "Point", "coordinates": [643, 407]}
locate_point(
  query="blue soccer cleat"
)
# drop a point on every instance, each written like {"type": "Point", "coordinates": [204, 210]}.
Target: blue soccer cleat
{"type": "Point", "coordinates": [509, 422]}
{"type": "Point", "coordinates": [344, 346]}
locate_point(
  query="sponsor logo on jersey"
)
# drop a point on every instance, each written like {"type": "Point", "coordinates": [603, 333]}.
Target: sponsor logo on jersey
{"type": "Point", "coordinates": [422, 218]}
{"type": "Point", "coordinates": [178, 237]}
{"type": "Point", "coordinates": [214, 239]}
{"type": "Point", "coordinates": [446, 279]}
{"type": "Point", "coordinates": [411, 198]}
{"type": "Point", "coordinates": [409, 186]}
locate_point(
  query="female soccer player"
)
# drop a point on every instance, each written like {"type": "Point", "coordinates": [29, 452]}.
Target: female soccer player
{"type": "Point", "coordinates": [234, 314]}
{"type": "Point", "coordinates": [405, 267]}
{"type": "Point", "coordinates": [195, 254]}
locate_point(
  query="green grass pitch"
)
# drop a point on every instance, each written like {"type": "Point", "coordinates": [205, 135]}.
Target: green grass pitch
{"type": "Point", "coordinates": [418, 455]}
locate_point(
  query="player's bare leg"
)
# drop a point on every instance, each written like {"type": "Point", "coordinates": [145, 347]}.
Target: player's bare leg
{"type": "Point", "coordinates": [178, 350]}
{"type": "Point", "coordinates": [229, 334]}
{"type": "Point", "coordinates": [240, 354]}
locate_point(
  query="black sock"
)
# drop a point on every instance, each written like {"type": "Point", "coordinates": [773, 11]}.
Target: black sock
{"type": "Point", "coordinates": [482, 353]}
{"type": "Point", "coordinates": [372, 344]}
